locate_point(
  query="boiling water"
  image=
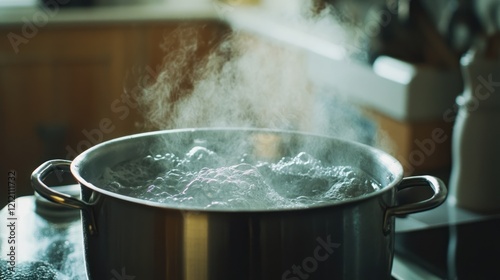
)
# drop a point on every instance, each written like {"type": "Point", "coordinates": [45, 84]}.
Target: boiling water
{"type": "Point", "coordinates": [203, 179]}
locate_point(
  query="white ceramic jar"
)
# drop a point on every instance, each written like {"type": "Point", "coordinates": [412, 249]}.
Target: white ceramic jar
{"type": "Point", "coordinates": [475, 177]}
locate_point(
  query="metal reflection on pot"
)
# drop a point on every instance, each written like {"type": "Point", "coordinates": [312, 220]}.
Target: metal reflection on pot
{"type": "Point", "coordinates": [155, 240]}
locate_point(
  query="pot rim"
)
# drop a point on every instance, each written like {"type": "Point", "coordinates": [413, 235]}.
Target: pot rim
{"type": "Point", "coordinates": [393, 165]}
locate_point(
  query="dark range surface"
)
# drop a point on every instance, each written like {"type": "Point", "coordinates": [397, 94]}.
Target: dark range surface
{"type": "Point", "coordinates": [465, 251]}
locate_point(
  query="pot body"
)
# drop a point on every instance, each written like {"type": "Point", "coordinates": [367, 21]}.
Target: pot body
{"type": "Point", "coordinates": [127, 237]}
{"type": "Point", "coordinates": [346, 242]}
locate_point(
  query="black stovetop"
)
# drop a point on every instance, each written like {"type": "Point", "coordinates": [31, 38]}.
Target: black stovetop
{"type": "Point", "coordinates": [462, 251]}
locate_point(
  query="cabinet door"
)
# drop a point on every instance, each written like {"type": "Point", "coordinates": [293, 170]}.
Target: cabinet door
{"type": "Point", "coordinates": [62, 93]}
{"type": "Point", "coordinates": [71, 87]}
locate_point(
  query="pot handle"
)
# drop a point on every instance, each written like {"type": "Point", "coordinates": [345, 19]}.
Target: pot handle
{"type": "Point", "coordinates": [58, 166]}
{"type": "Point", "coordinates": [439, 196]}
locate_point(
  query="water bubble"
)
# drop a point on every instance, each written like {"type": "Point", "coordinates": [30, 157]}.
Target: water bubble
{"type": "Point", "coordinates": [199, 157]}
{"type": "Point", "coordinates": [202, 179]}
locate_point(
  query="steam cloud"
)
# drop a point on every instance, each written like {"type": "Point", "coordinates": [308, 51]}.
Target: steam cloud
{"type": "Point", "coordinates": [246, 81]}
{"type": "Point", "coordinates": [242, 83]}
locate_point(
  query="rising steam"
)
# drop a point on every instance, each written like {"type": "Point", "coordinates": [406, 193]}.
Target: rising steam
{"type": "Point", "coordinates": [244, 81]}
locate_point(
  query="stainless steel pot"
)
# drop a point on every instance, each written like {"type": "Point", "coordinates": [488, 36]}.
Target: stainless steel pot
{"type": "Point", "coordinates": [126, 236]}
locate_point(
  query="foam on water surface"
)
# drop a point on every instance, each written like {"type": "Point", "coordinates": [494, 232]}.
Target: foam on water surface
{"type": "Point", "coordinates": [203, 179]}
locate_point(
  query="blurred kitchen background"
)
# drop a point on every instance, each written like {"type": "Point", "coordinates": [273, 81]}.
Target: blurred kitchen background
{"type": "Point", "coordinates": [70, 70]}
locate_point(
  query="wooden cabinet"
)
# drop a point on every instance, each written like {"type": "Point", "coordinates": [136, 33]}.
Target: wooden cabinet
{"type": "Point", "coordinates": [65, 90]}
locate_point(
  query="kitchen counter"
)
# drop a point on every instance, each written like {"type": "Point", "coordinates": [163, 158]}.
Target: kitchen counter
{"type": "Point", "coordinates": [170, 10]}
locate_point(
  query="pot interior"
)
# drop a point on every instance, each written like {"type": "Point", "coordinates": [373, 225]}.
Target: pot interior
{"type": "Point", "coordinates": [257, 144]}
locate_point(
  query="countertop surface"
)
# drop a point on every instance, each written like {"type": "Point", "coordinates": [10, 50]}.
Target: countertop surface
{"type": "Point", "coordinates": [29, 12]}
